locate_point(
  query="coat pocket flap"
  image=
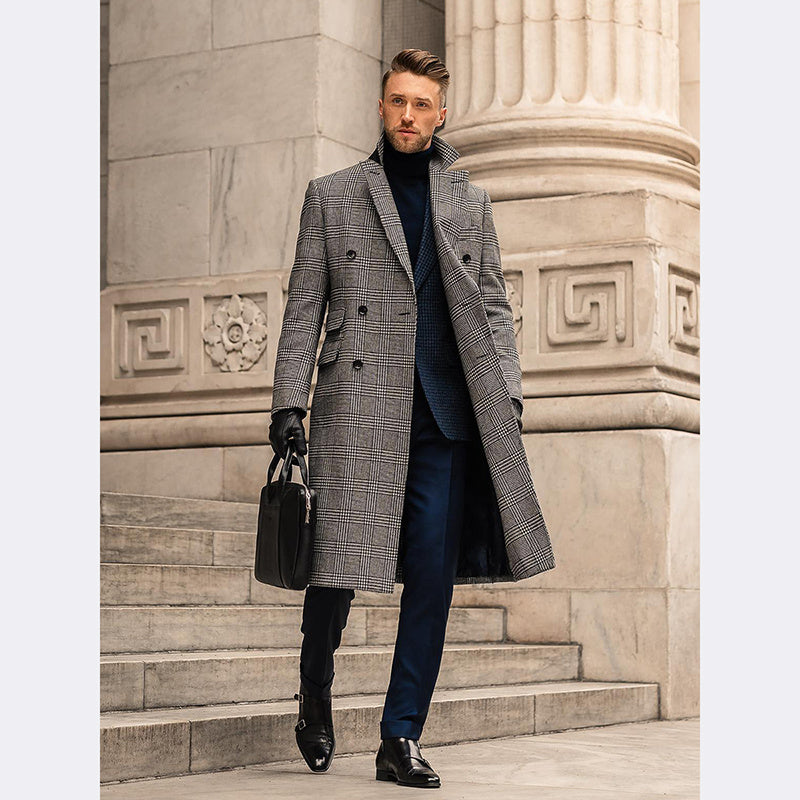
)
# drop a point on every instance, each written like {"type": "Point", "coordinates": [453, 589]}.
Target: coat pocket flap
{"type": "Point", "coordinates": [334, 319]}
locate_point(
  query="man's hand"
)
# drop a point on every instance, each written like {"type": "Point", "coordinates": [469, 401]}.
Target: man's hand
{"type": "Point", "coordinates": [287, 424]}
{"type": "Point", "coordinates": [518, 411]}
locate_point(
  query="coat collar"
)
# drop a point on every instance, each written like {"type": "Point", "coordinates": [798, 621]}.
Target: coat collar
{"type": "Point", "coordinates": [447, 191]}
{"type": "Point", "coordinates": [443, 156]}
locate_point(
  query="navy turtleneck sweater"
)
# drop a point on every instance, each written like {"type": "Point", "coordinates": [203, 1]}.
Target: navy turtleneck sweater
{"type": "Point", "coordinates": [407, 174]}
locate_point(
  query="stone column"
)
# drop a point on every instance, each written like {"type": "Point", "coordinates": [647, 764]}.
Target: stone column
{"type": "Point", "coordinates": [560, 97]}
{"type": "Point", "coordinates": [566, 111]}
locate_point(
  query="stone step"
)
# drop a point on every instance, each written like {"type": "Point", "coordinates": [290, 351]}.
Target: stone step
{"type": "Point", "coordinates": [177, 512]}
{"type": "Point", "coordinates": [137, 544]}
{"type": "Point", "coordinates": [149, 629]}
{"type": "Point", "coordinates": [183, 740]}
{"type": "Point", "coordinates": [145, 680]}
{"type": "Point", "coordinates": [182, 585]}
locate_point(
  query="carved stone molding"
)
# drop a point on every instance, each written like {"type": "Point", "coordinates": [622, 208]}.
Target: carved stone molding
{"type": "Point", "coordinates": [151, 340]}
{"type": "Point", "coordinates": [514, 293]}
{"type": "Point", "coordinates": [236, 335]}
{"type": "Point", "coordinates": [561, 97]}
{"type": "Point", "coordinates": [684, 319]}
{"type": "Point", "coordinates": [203, 345]}
{"type": "Point", "coordinates": [586, 308]}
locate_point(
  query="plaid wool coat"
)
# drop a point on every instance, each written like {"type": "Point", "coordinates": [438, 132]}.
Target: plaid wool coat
{"type": "Point", "coordinates": [352, 262]}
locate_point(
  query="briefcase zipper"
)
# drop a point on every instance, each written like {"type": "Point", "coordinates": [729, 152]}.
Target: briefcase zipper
{"type": "Point", "coordinates": [308, 504]}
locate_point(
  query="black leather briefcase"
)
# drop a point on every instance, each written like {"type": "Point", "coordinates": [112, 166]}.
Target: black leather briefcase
{"type": "Point", "coordinates": [287, 516]}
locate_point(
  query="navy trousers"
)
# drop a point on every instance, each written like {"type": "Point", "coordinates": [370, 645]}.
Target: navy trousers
{"type": "Point", "coordinates": [429, 542]}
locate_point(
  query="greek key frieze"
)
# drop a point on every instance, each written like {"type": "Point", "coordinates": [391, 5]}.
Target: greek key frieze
{"type": "Point", "coordinates": [151, 340]}
{"type": "Point", "coordinates": [684, 320]}
{"type": "Point", "coordinates": [587, 308]}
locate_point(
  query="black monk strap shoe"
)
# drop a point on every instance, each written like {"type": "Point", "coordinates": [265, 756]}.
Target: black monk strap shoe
{"type": "Point", "coordinates": [314, 731]}
{"type": "Point", "coordinates": [399, 759]}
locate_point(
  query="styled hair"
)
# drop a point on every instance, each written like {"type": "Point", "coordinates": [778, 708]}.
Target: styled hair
{"type": "Point", "coordinates": [420, 62]}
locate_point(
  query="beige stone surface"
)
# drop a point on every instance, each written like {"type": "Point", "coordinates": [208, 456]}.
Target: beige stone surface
{"type": "Point", "coordinates": [356, 23]}
{"type": "Point", "coordinates": [597, 412]}
{"type": "Point", "coordinates": [532, 615]}
{"type": "Point", "coordinates": [130, 682]}
{"type": "Point", "coordinates": [613, 113]}
{"type": "Point", "coordinates": [244, 733]}
{"type": "Point", "coordinates": [173, 584]}
{"type": "Point", "coordinates": [183, 473]}
{"type": "Point", "coordinates": [234, 548]}
{"type": "Point", "coordinates": [166, 344]}
{"type": "Point", "coordinates": [243, 22]}
{"type": "Point", "coordinates": [680, 697]}
{"type": "Point", "coordinates": [582, 708]}
{"type": "Point", "coordinates": [245, 470]}
{"type": "Point", "coordinates": [332, 155]}
{"type": "Point", "coordinates": [689, 45]}
{"type": "Point", "coordinates": [683, 481]}
{"type": "Point", "coordinates": [256, 196]}
{"type": "Point", "coordinates": [129, 751]}
{"type": "Point", "coordinates": [463, 625]}
{"type": "Point", "coordinates": [177, 512]}
{"type": "Point", "coordinates": [121, 685]}
{"type": "Point", "coordinates": [351, 116]}
{"type": "Point", "coordinates": [212, 99]}
{"type": "Point", "coordinates": [622, 633]}
{"type": "Point", "coordinates": [545, 223]}
{"type": "Point", "coordinates": [604, 496]}
{"type": "Point", "coordinates": [638, 761]}
{"type": "Point", "coordinates": [132, 544]}
{"type": "Point", "coordinates": [104, 60]}
{"type": "Point", "coordinates": [151, 28]}
{"type": "Point", "coordinates": [158, 217]}
{"type": "Point", "coordinates": [149, 629]}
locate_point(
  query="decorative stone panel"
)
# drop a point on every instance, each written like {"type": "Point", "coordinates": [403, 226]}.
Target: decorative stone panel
{"type": "Point", "coordinates": [606, 319]}
{"type": "Point", "coordinates": [201, 346]}
{"type": "Point", "coordinates": [151, 339]}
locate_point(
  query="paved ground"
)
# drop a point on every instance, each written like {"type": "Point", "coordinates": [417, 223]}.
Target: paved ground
{"type": "Point", "coordinates": [638, 761]}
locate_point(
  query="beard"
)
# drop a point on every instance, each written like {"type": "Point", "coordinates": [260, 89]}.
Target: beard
{"type": "Point", "coordinates": [407, 144]}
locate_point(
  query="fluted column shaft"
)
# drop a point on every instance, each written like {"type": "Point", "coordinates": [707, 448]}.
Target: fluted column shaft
{"type": "Point", "coordinates": [553, 97]}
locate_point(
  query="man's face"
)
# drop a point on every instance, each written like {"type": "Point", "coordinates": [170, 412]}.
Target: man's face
{"type": "Point", "coordinates": [410, 103]}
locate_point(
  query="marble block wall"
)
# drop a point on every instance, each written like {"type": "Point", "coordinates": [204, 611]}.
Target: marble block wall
{"type": "Point", "coordinates": [218, 115]}
{"type": "Point", "coordinates": [214, 116]}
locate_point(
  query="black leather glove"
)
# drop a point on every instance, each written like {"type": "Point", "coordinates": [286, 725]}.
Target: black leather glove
{"type": "Point", "coordinates": [518, 411]}
{"type": "Point", "coordinates": [287, 424]}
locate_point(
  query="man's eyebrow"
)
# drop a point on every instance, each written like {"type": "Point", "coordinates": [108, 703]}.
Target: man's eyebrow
{"type": "Point", "coordinates": [397, 94]}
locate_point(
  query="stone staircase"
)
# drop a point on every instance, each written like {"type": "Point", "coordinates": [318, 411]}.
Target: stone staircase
{"type": "Point", "coordinates": [200, 661]}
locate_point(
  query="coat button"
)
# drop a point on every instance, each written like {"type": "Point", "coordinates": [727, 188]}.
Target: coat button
{"type": "Point", "coordinates": [466, 258]}
{"type": "Point", "coordinates": [362, 309]}
{"type": "Point", "coordinates": [351, 254]}
{"type": "Point", "coordinates": [358, 363]}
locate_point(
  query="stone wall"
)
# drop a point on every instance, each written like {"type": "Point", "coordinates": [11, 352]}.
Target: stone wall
{"type": "Point", "coordinates": [581, 120]}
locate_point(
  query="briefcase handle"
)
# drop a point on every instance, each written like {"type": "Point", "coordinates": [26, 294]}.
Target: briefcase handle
{"type": "Point", "coordinates": [291, 459]}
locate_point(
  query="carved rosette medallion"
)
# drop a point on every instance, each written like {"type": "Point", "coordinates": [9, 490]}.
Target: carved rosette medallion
{"type": "Point", "coordinates": [237, 334]}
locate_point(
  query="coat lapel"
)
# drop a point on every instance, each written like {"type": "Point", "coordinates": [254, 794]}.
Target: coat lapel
{"type": "Point", "coordinates": [447, 188]}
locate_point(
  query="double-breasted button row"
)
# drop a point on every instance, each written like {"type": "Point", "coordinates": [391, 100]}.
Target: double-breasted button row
{"type": "Point", "coordinates": [351, 254]}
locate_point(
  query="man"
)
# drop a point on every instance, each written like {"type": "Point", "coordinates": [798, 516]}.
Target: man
{"type": "Point", "coordinates": [415, 431]}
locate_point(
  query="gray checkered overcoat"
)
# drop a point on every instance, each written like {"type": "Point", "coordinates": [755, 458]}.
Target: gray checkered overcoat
{"type": "Point", "coordinates": [352, 260]}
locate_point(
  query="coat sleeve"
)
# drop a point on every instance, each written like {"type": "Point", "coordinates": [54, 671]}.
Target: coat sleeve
{"type": "Point", "coordinates": [305, 308]}
{"type": "Point", "coordinates": [498, 310]}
